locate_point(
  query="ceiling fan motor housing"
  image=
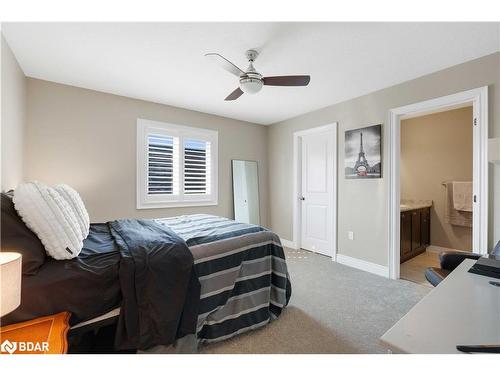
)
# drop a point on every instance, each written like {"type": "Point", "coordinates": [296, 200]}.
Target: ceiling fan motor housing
{"type": "Point", "coordinates": [251, 83]}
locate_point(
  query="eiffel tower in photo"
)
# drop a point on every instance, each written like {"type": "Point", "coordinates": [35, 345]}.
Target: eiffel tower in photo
{"type": "Point", "coordinates": [361, 162]}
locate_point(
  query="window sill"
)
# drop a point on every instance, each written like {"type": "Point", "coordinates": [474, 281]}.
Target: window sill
{"type": "Point", "coordinates": [151, 205]}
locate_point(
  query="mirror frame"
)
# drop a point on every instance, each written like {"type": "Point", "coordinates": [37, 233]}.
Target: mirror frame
{"type": "Point", "coordinates": [258, 186]}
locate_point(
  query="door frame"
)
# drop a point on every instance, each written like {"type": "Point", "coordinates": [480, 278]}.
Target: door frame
{"type": "Point", "coordinates": [479, 99]}
{"type": "Point", "coordinates": [297, 184]}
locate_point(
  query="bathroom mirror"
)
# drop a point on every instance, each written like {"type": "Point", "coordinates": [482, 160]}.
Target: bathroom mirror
{"type": "Point", "coordinates": [246, 191]}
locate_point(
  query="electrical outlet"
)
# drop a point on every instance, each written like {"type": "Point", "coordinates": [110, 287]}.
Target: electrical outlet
{"type": "Point", "coordinates": [350, 235]}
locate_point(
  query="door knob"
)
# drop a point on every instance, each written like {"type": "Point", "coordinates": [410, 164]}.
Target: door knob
{"type": "Point", "coordinates": [302, 198]}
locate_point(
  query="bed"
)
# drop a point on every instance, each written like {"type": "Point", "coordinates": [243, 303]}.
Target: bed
{"type": "Point", "coordinates": [241, 270]}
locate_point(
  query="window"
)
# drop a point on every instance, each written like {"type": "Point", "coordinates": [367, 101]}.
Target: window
{"type": "Point", "coordinates": [176, 165]}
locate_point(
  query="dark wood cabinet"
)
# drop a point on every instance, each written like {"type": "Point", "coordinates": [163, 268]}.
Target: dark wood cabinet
{"type": "Point", "coordinates": [405, 234]}
{"type": "Point", "coordinates": [415, 233]}
{"type": "Point", "coordinates": [425, 227]}
{"type": "Point", "coordinates": [415, 230]}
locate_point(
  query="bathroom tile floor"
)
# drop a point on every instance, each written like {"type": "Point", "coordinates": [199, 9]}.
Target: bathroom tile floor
{"type": "Point", "coordinates": [414, 269]}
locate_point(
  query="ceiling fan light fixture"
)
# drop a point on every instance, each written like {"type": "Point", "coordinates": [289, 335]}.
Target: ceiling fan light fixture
{"type": "Point", "coordinates": [251, 85]}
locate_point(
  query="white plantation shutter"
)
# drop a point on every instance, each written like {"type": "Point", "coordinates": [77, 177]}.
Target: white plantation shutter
{"type": "Point", "coordinates": [163, 165]}
{"type": "Point", "coordinates": [176, 165]}
{"type": "Point", "coordinates": [196, 167]}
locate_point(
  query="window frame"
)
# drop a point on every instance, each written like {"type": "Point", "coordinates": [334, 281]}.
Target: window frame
{"type": "Point", "coordinates": [150, 127]}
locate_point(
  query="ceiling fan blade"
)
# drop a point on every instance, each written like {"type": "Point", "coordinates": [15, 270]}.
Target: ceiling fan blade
{"type": "Point", "coordinates": [225, 63]}
{"type": "Point", "coordinates": [235, 94]}
{"type": "Point", "coordinates": [287, 80]}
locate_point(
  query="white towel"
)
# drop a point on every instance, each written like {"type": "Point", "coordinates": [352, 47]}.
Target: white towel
{"type": "Point", "coordinates": [453, 216]}
{"type": "Point", "coordinates": [462, 196]}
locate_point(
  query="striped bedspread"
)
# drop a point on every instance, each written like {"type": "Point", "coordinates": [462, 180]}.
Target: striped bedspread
{"type": "Point", "coordinates": [242, 271]}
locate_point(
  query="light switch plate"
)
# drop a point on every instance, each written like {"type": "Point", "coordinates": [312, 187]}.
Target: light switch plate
{"type": "Point", "coordinates": [494, 150]}
{"type": "Point", "coordinates": [350, 235]}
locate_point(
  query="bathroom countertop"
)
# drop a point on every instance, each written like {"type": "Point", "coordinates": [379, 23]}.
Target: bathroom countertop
{"type": "Point", "coordinates": [414, 204]}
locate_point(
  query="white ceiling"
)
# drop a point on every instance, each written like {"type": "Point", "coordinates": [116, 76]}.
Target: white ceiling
{"type": "Point", "coordinates": [165, 63]}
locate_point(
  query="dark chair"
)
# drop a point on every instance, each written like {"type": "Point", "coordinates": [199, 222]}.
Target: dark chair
{"type": "Point", "coordinates": [449, 260]}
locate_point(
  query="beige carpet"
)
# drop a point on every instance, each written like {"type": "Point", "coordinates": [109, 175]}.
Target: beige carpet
{"type": "Point", "coordinates": [333, 309]}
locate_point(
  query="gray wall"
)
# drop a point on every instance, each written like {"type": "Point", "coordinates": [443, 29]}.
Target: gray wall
{"type": "Point", "coordinates": [363, 205]}
{"type": "Point", "coordinates": [13, 118]}
{"type": "Point", "coordinates": [87, 139]}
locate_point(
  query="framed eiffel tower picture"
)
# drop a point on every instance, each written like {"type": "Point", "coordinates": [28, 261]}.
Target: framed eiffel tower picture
{"type": "Point", "coordinates": [363, 150]}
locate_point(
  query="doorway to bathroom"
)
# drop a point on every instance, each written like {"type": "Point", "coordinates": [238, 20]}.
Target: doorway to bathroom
{"type": "Point", "coordinates": [436, 189]}
{"type": "Point", "coordinates": [438, 181]}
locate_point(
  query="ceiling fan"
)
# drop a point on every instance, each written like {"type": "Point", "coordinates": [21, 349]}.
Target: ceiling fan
{"type": "Point", "coordinates": [252, 81]}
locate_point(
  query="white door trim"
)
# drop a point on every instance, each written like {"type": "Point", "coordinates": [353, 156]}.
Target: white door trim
{"type": "Point", "coordinates": [479, 99]}
{"type": "Point", "coordinates": [297, 181]}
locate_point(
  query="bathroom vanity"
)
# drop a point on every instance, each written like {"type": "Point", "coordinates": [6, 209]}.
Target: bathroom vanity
{"type": "Point", "coordinates": [415, 228]}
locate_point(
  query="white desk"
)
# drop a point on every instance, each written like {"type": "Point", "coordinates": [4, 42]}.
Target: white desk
{"type": "Point", "coordinates": [464, 309]}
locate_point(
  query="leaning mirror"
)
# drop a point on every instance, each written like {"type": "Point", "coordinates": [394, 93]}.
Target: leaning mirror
{"type": "Point", "coordinates": [246, 192]}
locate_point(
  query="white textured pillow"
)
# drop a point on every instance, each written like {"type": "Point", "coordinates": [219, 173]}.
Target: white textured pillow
{"type": "Point", "coordinates": [51, 218]}
{"type": "Point", "coordinates": [76, 203]}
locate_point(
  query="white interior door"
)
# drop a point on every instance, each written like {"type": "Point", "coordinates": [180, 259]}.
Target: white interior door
{"type": "Point", "coordinates": [318, 155]}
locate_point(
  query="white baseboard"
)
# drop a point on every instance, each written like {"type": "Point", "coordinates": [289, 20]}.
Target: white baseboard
{"type": "Point", "coordinates": [289, 244]}
{"type": "Point", "coordinates": [363, 265]}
